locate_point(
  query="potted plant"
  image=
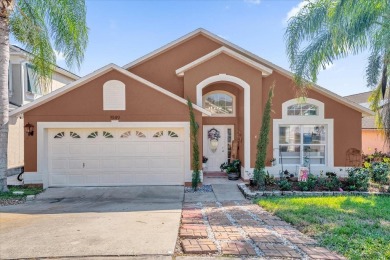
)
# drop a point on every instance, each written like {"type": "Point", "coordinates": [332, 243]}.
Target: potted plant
{"type": "Point", "coordinates": [232, 169]}
{"type": "Point", "coordinates": [204, 161]}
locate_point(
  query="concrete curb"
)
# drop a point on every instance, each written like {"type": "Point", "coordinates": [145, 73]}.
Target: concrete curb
{"type": "Point", "coordinates": [248, 194]}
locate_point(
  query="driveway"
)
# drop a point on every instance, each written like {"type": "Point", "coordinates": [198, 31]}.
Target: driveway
{"type": "Point", "coordinates": [82, 222]}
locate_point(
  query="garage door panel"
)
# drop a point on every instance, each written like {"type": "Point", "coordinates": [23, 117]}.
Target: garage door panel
{"type": "Point", "coordinates": [59, 180]}
{"type": "Point", "coordinates": [76, 164]}
{"type": "Point", "coordinates": [93, 159]}
{"type": "Point", "coordinates": [76, 179]}
{"type": "Point", "coordinates": [60, 149]}
{"type": "Point", "coordinates": [108, 149]}
{"type": "Point", "coordinates": [91, 149]}
{"type": "Point", "coordinates": [59, 164]}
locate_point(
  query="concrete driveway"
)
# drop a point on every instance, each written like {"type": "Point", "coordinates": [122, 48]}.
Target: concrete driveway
{"type": "Point", "coordinates": [82, 222]}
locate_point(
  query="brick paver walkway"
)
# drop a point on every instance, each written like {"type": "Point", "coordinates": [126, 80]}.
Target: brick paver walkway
{"type": "Point", "coordinates": [239, 228]}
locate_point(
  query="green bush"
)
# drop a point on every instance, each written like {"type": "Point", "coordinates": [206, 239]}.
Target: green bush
{"type": "Point", "coordinates": [332, 183]}
{"type": "Point", "coordinates": [358, 179]}
{"type": "Point", "coordinates": [269, 180]}
{"type": "Point", "coordinates": [308, 185]}
{"type": "Point", "coordinates": [380, 172]}
{"type": "Point", "coordinates": [284, 185]}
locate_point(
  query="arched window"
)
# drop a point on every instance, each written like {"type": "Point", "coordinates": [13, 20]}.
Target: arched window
{"type": "Point", "coordinates": [302, 109]}
{"type": "Point", "coordinates": [114, 95]}
{"type": "Point", "coordinates": [219, 103]}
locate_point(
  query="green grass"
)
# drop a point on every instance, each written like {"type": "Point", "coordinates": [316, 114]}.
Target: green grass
{"type": "Point", "coordinates": [26, 190]}
{"type": "Point", "coordinates": [357, 227]}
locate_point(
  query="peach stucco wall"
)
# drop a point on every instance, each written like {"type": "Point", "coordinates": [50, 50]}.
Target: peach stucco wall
{"type": "Point", "coordinates": [373, 139]}
{"type": "Point", "coordinates": [85, 104]}
{"type": "Point", "coordinates": [145, 104]}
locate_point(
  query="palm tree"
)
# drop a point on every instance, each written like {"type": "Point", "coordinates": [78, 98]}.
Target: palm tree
{"type": "Point", "coordinates": [326, 30]}
{"type": "Point", "coordinates": [42, 26]}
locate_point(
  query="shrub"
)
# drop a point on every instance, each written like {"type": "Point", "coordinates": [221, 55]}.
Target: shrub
{"type": "Point", "coordinates": [358, 179]}
{"type": "Point", "coordinates": [269, 180]}
{"type": "Point", "coordinates": [332, 183]}
{"type": "Point", "coordinates": [308, 185]}
{"type": "Point", "coordinates": [380, 172]}
{"type": "Point", "coordinates": [262, 143]}
{"type": "Point", "coordinates": [284, 185]}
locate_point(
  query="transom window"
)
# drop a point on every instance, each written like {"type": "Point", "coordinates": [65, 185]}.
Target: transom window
{"type": "Point", "coordinates": [219, 103]}
{"type": "Point", "coordinates": [304, 109]}
{"type": "Point", "coordinates": [302, 144]}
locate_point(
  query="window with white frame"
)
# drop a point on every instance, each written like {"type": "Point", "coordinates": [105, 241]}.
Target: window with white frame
{"type": "Point", "coordinates": [299, 144]}
{"type": "Point", "coordinates": [303, 136]}
{"type": "Point", "coordinates": [219, 103]}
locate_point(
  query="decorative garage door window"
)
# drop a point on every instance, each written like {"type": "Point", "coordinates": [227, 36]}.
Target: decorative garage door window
{"type": "Point", "coordinates": [158, 134]}
{"type": "Point", "coordinates": [93, 134]}
{"type": "Point", "coordinates": [60, 135]}
{"type": "Point", "coordinates": [107, 134]}
{"type": "Point", "coordinates": [126, 134]}
{"type": "Point", "coordinates": [140, 134]}
{"type": "Point", "coordinates": [172, 134]}
{"type": "Point", "coordinates": [74, 135]}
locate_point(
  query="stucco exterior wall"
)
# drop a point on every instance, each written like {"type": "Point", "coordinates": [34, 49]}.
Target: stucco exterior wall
{"type": "Point", "coordinates": [347, 121]}
{"type": "Point", "coordinates": [85, 104]}
{"type": "Point", "coordinates": [373, 139]}
{"type": "Point", "coordinates": [15, 143]}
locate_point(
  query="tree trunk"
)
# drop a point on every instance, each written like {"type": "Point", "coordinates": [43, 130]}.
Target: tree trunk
{"type": "Point", "coordinates": [4, 101]}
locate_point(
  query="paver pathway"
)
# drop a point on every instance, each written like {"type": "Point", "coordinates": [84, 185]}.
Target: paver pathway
{"type": "Point", "coordinates": [242, 229]}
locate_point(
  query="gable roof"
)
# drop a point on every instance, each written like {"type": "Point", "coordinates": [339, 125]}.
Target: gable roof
{"type": "Point", "coordinates": [73, 85]}
{"type": "Point", "coordinates": [265, 70]}
{"type": "Point", "coordinates": [22, 52]}
{"type": "Point", "coordinates": [220, 40]}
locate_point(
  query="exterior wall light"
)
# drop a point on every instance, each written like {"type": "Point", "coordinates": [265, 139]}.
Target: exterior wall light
{"type": "Point", "coordinates": [29, 129]}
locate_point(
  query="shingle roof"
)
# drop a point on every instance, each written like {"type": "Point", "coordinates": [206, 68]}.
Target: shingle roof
{"type": "Point", "coordinates": [368, 122]}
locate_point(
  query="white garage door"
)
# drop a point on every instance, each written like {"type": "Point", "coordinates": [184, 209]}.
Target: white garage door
{"type": "Point", "coordinates": [113, 157]}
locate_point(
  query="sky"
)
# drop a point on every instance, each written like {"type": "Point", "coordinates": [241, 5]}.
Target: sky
{"type": "Point", "coordinates": [122, 31]}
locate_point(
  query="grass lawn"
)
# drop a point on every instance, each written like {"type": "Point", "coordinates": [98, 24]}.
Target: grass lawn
{"type": "Point", "coordinates": [355, 226]}
{"type": "Point", "coordinates": [27, 191]}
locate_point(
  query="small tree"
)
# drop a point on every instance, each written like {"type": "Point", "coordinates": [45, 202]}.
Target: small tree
{"type": "Point", "coordinates": [195, 147]}
{"type": "Point", "coordinates": [259, 171]}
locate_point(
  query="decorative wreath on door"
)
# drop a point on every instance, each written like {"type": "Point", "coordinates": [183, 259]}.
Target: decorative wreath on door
{"type": "Point", "coordinates": [213, 136]}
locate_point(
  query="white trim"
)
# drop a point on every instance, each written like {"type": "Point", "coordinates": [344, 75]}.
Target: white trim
{"type": "Point", "coordinates": [73, 85]}
{"type": "Point", "coordinates": [265, 70]}
{"type": "Point", "coordinates": [220, 40]}
{"type": "Point", "coordinates": [42, 140]}
{"type": "Point", "coordinates": [221, 92]}
{"type": "Point", "coordinates": [32, 178]}
{"type": "Point", "coordinates": [247, 119]}
{"type": "Point", "coordinates": [319, 104]}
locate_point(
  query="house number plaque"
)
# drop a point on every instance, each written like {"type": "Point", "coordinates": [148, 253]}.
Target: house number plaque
{"type": "Point", "coordinates": [115, 117]}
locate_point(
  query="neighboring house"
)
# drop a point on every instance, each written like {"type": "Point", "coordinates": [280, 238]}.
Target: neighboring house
{"type": "Point", "coordinates": [130, 125]}
{"type": "Point", "coordinates": [372, 137]}
{"type": "Point", "coordinates": [23, 89]}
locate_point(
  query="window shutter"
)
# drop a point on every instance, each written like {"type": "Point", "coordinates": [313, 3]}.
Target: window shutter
{"type": "Point", "coordinates": [114, 95]}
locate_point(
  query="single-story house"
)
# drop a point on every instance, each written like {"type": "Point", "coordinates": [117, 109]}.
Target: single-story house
{"type": "Point", "coordinates": [373, 139]}
{"type": "Point", "coordinates": [130, 125]}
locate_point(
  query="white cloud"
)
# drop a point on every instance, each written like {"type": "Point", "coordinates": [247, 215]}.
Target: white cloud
{"type": "Point", "coordinates": [255, 2]}
{"type": "Point", "coordinates": [59, 55]}
{"type": "Point", "coordinates": [295, 10]}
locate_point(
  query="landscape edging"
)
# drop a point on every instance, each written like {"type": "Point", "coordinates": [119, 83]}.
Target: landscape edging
{"type": "Point", "coordinates": [257, 194]}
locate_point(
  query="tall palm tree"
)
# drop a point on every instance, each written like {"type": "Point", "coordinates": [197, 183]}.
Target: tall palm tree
{"type": "Point", "coordinates": [326, 30]}
{"type": "Point", "coordinates": [43, 27]}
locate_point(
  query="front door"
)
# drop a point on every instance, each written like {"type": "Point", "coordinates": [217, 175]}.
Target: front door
{"type": "Point", "coordinates": [217, 140]}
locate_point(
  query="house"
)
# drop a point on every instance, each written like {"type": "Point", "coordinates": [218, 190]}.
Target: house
{"type": "Point", "coordinates": [23, 89]}
{"type": "Point", "coordinates": [130, 125]}
{"type": "Point", "coordinates": [372, 137]}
